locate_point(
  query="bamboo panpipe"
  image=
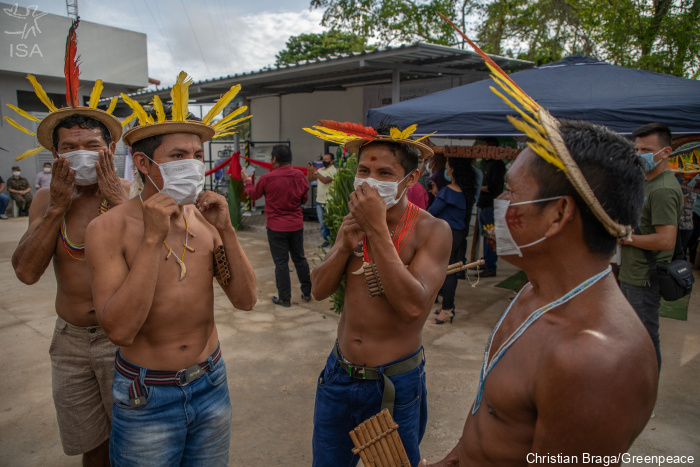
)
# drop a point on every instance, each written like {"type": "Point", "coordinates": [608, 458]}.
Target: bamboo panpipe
{"type": "Point", "coordinates": [456, 267]}
{"type": "Point", "coordinates": [378, 443]}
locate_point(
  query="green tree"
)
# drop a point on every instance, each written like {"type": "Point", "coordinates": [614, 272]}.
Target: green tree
{"type": "Point", "coordinates": [656, 35]}
{"type": "Point", "coordinates": [310, 46]}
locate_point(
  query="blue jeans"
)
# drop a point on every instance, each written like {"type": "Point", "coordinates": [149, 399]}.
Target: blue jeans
{"type": "Point", "coordinates": [321, 214]}
{"type": "Point", "coordinates": [282, 246]}
{"type": "Point", "coordinates": [186, 425]}
{"type": "Point", "coordinates": [342, 403]}
{"type": "Point", "coordinates": [4, 201]}
{"type": "Point", "coordinates": [490, 256]}
{"type": "Point", "coordinates": [646, 301]}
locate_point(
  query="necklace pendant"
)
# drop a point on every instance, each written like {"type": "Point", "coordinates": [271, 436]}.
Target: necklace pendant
{"type": "Point", "coordinates": [183, 268]}
{"type": "Point", "coordinates": [190, 234]}
{"type": "Point", "coordinates": [168, 255]}
{"type": "Point", "coordinates": [362, 269]}
{"type": "Point", "coordinates": [189, 248]}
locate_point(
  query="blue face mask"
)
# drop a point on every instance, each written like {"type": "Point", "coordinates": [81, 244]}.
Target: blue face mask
{"type": "Point", "coordinates": [447, 176]}
{"type": "Point", "coordinates": [647, 160]}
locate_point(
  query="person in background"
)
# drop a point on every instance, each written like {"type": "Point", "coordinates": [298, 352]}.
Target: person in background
{"type": "Point", "coordinates": [693, 241]}
{"type": "Point", "coordinates": [436, 164]}
{"type": "Point", "coordinates": [417, 194]}
{"type": "Point", "coordinates": [685, 226]}
{"type": "Point", "coordinates": [324, 176]}
{"type": "Point", "coordinates": [494, 171]}
{"type": "Point", "coordinates": [20, 191]}
{"type": "Point", "coordinates": [43, 178]}
{"type": "Point", "coordinates": [285, 190]}
{"type": "Point", "coordinates": [4, 199]}
{"type": "Point", "coordinates": [451, 205]}
{"type": "Point", "coordinates": [657, 231]}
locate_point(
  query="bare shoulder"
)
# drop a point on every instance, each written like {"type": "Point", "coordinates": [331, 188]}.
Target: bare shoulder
{"type": "Point", "coordinates": [433, 229]}
{"type": "Point", "coordinates": [111, 222]}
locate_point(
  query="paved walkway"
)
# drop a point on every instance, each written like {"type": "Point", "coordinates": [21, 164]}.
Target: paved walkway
{"type": "Point", "coordinates": [274, 356]}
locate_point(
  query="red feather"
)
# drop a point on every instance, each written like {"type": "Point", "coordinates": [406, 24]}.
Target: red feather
{"type": "Point", "coordinates": [71, 69]}
{"type": "Point", "coordinates": [365, 132]}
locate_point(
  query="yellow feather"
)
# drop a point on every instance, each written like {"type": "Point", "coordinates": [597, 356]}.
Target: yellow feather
{"type": "Point", "coordinates": [331, 138]}
{"type": "Point", "coordinates": [535, 113]}
{"type": "Point", "coordinates": [230, 116]}
{"type": "Point", "coordinates": [532, 134]}
{"type": "Point", "coordinates": [338, 133]}
{"type": "Point", "coordinates": [529, 101]}
{"type": "Point", "coordinates": [128, 119]}
{"type": "Point", "coordinates": [546, 156]}
{"type": "Point", "coordinates": [19, 127]}
{"type": "Point", "coordinates": [180, 95]}
{"type": "Point", "coordinates": [160, 111]}
{"type": "Point", "coordinates": [29, 153]}
{"type": "Point", "coordinates": [395, 133]}
{"type": "Point", "coordinates": [96, 93]}
{"type": "Point", "coordinates": [141, 114]}
{"type": "Point", "coordinates": [112, 105]}
{"type": "Point", "coordinates": [41, 94]}
{"type": "Point", "coordinates": [221, 104]}
{"type": "Point", "coordinates": [426, 136]}
{"type": "Point", "coordinates": [527, 118]}
{"type": "Point", "coordinates": [405, 134]}
{"type": "Point", "coordinates": [23, 113]}
{"type": "Point", "coordinates": [231, 124]}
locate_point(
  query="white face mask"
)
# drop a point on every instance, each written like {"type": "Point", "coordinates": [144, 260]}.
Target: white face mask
{"type": "Point", "coordinates": [83, 163]}
{"type": "Point", "coordinates": [183, 180]}
{"type": "Point", "coordinates": [47, 170]}
{"type": "Point", "coordinates": [16, 173]}
{"type": "Point", "coordinates": [505, 245]}
{"type": "Point", "coordinates": [387, 190]}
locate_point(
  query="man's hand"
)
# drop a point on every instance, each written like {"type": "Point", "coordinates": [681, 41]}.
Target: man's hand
{"type": "Point", "coordinates": [61, 186]}
{"type": "Point", "coordinates": [432, 187]}
{"type": "Point", "coordinates": [367, 208]}
{"type": "Point", "coordinates": [214, 208]}
{"type": "Point", "coordinates": [244, 175]}
{"type": "Point", "coordinates": [107, 180]}
{"type": "Point", "coordinates": [157, 212]}
{"type": "Point", "coordinates": [350, 233]}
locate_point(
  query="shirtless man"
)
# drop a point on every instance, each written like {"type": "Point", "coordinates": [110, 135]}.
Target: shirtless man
{"type": "Point", "coordinates": [81, 355]}
{"type": "Point", "coordinates": [379, 344]}
{"type": "Point", "coordinates": [152, 269]}
{"type": "Point", "coordinates": [581, 379]}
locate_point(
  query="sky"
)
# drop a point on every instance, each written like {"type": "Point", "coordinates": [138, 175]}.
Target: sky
{"type": "Point", "coordinates": [207, 38]}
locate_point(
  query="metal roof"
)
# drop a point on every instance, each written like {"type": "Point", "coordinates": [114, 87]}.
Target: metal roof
{"type": "Point", "coordinates": [337, 72]}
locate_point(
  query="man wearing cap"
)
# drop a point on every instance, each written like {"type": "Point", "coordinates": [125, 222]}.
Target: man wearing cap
{"type": "Point", "coordinates": [84, 183]}
{"type": "Point", "coordinates": [20, 191]}
{"type": "Point", "coordinates": [377, 360]}
{"type": "Point", "coordinates": [152, 261]}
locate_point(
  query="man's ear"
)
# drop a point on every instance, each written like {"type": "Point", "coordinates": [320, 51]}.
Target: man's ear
{"type": "Point", "coordinates": [559, 213]}
{"type": "Point", "coordinates": [412, 178]}
{"type": "Point", "coordinates": [140, 161]}
{"type": "Point", "coordinates": [55, 154]}
{"type": "Point", "coordinates": [112, 147]}
{"type": "Point", "coordinates": [666, 153]}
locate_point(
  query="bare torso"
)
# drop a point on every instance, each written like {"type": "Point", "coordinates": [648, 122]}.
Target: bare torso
{"type": "Point", "coordinates": [369, 331]}
{"type": "Point", "coordinates": [179, 330]}
{"type": "Point", "coordinates": [599, 322]}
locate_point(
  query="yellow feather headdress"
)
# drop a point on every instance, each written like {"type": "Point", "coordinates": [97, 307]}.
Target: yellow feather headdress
{"type": "Point", "coordinates": [179, 121]}
{"type": "Point", "coordinates": [543, 129]}
{"type": "Point", "coordinates": [353, 135]}
{"type": "Point", "coordinates": [46, 126]}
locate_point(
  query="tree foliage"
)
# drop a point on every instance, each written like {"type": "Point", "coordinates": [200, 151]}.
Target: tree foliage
{"type": "Point", "coordinates": [656, 35]}
{"type": "Point", "coordinates": [310, 46]}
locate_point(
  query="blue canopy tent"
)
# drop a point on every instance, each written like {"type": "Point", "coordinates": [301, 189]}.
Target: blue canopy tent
{"type": "Point", "coordinates": [578, 88]}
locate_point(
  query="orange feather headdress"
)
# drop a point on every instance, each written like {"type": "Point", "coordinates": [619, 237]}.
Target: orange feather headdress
{"type": "Point", "coordinates": [353, 135]}
{"type": "Point", "coordinates": [44, 132]}
{"type": "Point", "coordinates": [546, 140]}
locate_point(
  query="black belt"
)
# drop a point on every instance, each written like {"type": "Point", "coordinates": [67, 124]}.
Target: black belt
{"type": "Point", "coordinates": [373, 373]}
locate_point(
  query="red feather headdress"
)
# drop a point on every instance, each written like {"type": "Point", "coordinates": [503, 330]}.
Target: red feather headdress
{"type": "Point", "coordinates": [71, 67]}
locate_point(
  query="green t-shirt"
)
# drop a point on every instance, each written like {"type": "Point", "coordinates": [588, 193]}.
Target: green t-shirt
{"type": "Point", "coordinates": [663, 205]}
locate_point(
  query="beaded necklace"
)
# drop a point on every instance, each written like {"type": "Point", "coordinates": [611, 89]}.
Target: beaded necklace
{"type": "Point", "coordinates": [68, 245]}
{"type": "Point", "coordinates": [486, 367]}
{"type": "Point", "coordinates": [180, 261]}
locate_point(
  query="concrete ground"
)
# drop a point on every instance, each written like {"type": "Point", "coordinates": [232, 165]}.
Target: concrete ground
{"type": "Point", "coordinates": [274, 356]}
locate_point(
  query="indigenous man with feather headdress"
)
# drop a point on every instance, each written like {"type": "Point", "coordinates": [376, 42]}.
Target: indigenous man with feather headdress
{"type": "Point", "coordinates": [153, 260]}
{"type": "Point", "coordinates": [84, 184]}
{"type": "Point", "coordinates": [394, 257]}
{"type": "Point", "coordinates": [569, 374]}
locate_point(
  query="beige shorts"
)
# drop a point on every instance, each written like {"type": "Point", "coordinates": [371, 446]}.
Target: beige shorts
{"type": "Point", "coordinates": [82, 369]}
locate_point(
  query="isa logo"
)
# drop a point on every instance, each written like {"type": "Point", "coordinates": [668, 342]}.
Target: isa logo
{"type": "Point", "coordinates": [25, 28]}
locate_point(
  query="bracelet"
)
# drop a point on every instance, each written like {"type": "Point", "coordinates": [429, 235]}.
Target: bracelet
{"type": "Point", "coordinates": [221, 270]}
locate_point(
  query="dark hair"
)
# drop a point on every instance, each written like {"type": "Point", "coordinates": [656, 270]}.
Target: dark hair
{"type": "Point", "coordinates": [149, 145]}
{"type": "Point", "coordinates": [330, 154]}
{"type": "Point", "coordinates": [47, 163]}
{"type": "Point", "coordinates": [407, 155]}
{"type": "Point", "coordinates": [81, 121]}
{"type": "Point", "coordinates": [611, 168]}
{"type": "Point", "coordinates": [490, 141]}
{"type": "Point", "coordinates": [282, 153]}
{"type": "Point", "coordinates": [15, 167]}
{"type": "Point", "coordinates": [464, 174]}
{"type": "Point", "coordinates": [663, 132]}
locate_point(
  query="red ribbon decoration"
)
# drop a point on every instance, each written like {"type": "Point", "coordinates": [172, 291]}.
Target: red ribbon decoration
{"type": "Point", "coordinates": [235, 168]}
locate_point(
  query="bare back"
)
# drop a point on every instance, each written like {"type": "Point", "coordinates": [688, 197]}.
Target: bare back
{"type": "Point", "coordinates": [370, 332]}
{"type": "Point", "coordinates": [582, 378]}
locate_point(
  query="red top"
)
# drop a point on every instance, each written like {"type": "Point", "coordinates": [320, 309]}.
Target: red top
{"type": "Point", "coordinates": [285, 190]}
{"type": "Point", "coordinates": [418, 196]}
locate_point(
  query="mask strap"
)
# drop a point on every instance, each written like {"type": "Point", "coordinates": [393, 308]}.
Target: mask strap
{"type": "Point", "coordinates": [149, 177]}
{"type": "Point", "coordinates": [536, 201]}
{"type": "Point", "coordinates": [534, 243]}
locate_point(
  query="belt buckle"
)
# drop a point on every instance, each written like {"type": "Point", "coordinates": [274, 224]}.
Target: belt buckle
{"type": "Point", "coordinates": [357, 372]}
{"type": "Point", "coordinates": [186, 376]}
